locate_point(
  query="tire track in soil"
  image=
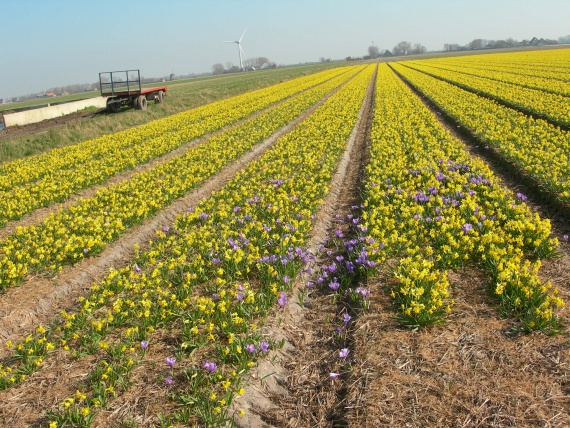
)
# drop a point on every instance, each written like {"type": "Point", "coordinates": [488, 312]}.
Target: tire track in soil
{"type": "Point", "coordinates": [60, 375]}
{"type": "Point", "coordinates": [287, 387]}
{"type": "Point", "coordinates": [40, 214]}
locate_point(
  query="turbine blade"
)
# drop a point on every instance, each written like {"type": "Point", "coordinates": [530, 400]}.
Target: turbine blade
{"type": "Point", "coordinates": [229, 41]}
{"type": "Point", "coordinates": [243, 34]}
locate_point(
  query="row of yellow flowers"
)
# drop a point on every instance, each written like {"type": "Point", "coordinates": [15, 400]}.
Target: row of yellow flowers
{"type": "Point", "coordinates": [553, 107]}
{"type": "Point", "coordinates": [209, 279]}
{"type": "Point", "coordinates": [431, 208]}
{"type": "Point", "coordinates": [85, 228]}
{"type": "Point", "coordinates": [37, 181]}
{"type": "Point", "coordinates": [538, 148]}
{"type": "Point", "coordinates": [550, 80]}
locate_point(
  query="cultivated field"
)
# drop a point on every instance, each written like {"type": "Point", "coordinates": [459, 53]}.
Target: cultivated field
{"type": "Point", "coordinates": [371, 245]}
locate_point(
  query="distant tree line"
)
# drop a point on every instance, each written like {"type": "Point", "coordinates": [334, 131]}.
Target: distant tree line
{"type": "Point", "coordinates": [86, 87]}
{"type": "Point", "coordinates": [402, 48]}
{"type": "Point", "coordinates": [248, 64]}
{"type": "Point", "coordinates": [406, 48]}
{"type": "Point", "coordinates": [476, 44]}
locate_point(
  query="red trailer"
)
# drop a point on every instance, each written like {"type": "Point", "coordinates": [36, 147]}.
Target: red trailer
{"type": "Point", "coordinates": [123, 88]}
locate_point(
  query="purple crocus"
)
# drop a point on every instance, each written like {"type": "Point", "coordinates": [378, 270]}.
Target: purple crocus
{"type": "Point", "coordinates": [565, 238]}
{"type": "Point", "coordinates": [264, 347]}
{"type": "Point", "coordinates": [168, 380]}
{"type": "Point", "coordinates": [346, 318]}
{"type": "Point", "coordinates": [343, 353]}
{"type": "Point", "coordinates": [137, 269]}
{"type": "Point", "coordinates": [334, 284]}
{"type": "Point", "coordinates": [210, 366]}
{"type": "Point", "coordinates": [170, 361]}
{"type": "Point", "coordinates": [282, 299]}
{"type": "Point", "coordinates": [334, 375]}
{"type": "Point", "coordinates": [250, 348]}
{"type": "Point", "coordinates": [144, 344]}
{"type": "Point", "coordinates": [467, 227]}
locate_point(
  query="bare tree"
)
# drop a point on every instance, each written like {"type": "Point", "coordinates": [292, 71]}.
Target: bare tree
{"type": "Point", "coordinates": [256, 62]}
{"type": "Point", "coordinates": [477, 44]}
{"type": "Point", "coordinates": [218, 68]}
{"type": "Point", "coordinates": [448, 47]}
{"type": "Point", "coordinates": [373, 51]}
{"type": "Point", "coordinates": [418, 49]}
{"type": "Point", "coordinates": [402, 48]}
{"type": "Point", "coordinates": [564, 39]}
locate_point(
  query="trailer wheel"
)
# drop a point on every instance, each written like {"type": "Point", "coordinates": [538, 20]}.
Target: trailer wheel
{"type": "Point", "coordinates": [135, 103]}
{"type": "Point", "coordinates": [112, 107]}
{"type": "Point", "coordinates": [159, 97]}
{"type": "Point", "coordinates": [142, 102]}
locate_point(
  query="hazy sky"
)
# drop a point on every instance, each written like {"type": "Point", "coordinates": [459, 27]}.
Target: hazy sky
{"type": "Point", "coordinates": [47, 43]}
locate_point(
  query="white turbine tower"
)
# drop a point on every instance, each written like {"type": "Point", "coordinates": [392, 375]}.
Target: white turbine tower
{"type": "Point", "coordinates": [240, 49]}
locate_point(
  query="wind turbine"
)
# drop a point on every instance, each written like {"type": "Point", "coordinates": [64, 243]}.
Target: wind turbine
{"type": "Point", "coordinates": [240, 50]}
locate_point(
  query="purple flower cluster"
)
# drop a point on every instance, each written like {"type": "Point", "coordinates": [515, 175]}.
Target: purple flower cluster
{"type": "Point", "coordinates": [210, 366]}
{"type": "Point", "coordinates": [478, 180]}
{"type": "Point", "coordinates": [421, 197]}
{"type": "Point", "coordinates": [282, 299]}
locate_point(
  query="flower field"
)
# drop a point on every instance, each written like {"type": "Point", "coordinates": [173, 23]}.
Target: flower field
{"type": "Point", "coordinates": [361, 262]}
{"type": "Point", "coordinates": [86, 227]}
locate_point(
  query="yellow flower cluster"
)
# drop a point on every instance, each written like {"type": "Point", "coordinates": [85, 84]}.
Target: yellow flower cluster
{"type": "Point", "coordinates": [29, 183]}
{"type": "Point", "coordinates": [536, 147]}
{"type": "Point", "coordinates": [433, 208]}
{"type": "Point", "coordinates": [86, 227]}
{"type": "Point", "coordinates": [554, 107]}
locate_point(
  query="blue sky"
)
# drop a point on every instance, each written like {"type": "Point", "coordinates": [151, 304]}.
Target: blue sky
{"type": "Point", "coordinates": [59, 42]}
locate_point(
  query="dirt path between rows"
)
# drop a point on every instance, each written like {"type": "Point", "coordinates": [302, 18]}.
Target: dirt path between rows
{"type": "Point", "coordinates": [40, 298]}
{"type": "Point", "coordinates": [288, 388]}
